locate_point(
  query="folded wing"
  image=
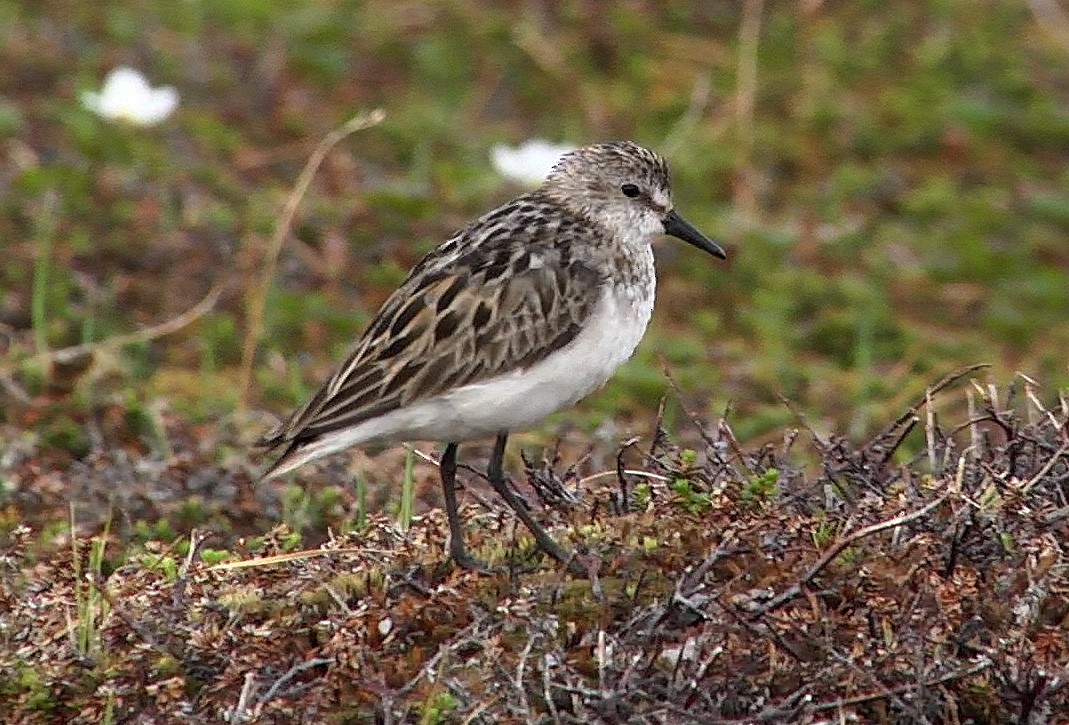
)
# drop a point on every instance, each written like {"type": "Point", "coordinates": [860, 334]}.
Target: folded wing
{"type": "Point", "coordinates": [492, 310]}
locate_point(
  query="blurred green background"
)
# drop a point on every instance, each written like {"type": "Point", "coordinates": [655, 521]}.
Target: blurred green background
{"type": "Point", "coordinates": [890, 180]}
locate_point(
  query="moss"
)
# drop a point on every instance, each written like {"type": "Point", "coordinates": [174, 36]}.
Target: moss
{"type": "Point", "coordinates": [761, 488]}
{"type": "Point", "coordinates": [211, 557]}
{"type": "Point", "coordinates": [243, 601]}
{"type": "Point", "coordinates": [63, 433]}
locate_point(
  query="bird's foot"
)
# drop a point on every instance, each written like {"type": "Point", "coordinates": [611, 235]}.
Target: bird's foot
{"type": "Point", "coordinates": [463, 559]}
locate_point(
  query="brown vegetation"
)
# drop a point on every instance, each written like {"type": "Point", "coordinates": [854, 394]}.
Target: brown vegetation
{"type": "Point", "coordinates": [733, 586]}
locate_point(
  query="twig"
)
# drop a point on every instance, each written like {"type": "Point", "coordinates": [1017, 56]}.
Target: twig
{"type": "Point", "coordinates": [546, 693]}
{"type": "Point", "coordinates": [247, 689]}
{"type": "Point", "coordinates": [196, 538]}
{"type": "Point", "coordinates": [13, 390]}
{"type": "Point", "coordinates": [258, 298]}
{"type": "Point", "coordinates": [288, 556]}
{"type": "Point", "coordinates": [149, 333]}
{"type": "Point", "coordinates": [659, 436]}
{"type": "Point", "coordinates": [520, 667]}
{"type": "Point", "coordinates": [425, 670]}
{"type": "Point", "coordinates": [699, 99]}
{"type": "Point", "coordinates": [745, 95]}
{"type": "Point", "coordinates": [726, 432]}
{"type": "Point", "coordinates": [929, 433]}
{"type": "Point", "coordinates": [470, 636]}
{"type": "Point", "coordinates": [114, 608]}
{"type": "Point", "coordinates": [1031, 393]}
{"type": "Point", "coordinates": [178, 594]}
{"type": "Point", "coordinates": [691, 582]}
{"type": "Point", "coordinates": [883, 689]}
{"type": "Point", "coordinates": [620, 477]}
{"type": "Point", "coordinates": [763, 630]}
{"type": "Point", "coordinates": [836, 549]}
{"type": "Point", "coordinates": [628, 472]}
{"type": "Point", "coordinates": [785, 710]}
{"type": "Point", "coordinates": [290, 674]}
{"type": "Point", "coordinates": [822, 445]}
{"type": "Point", "coordinates": [601, 652]}
{"type": "Point", "coordinates": [695, 680]}
{"type": "Point", "coordinates": [949, 379]}
{"type": "Point", "coordinates": [976, 439]}
{"type": "Point", "coordinates": [926, 401]}
{"type": "Point", "coordinates": [910, 423]}
{"type": "Point", "coordinates": [338, 599]}
{"type": "Point", "coordinates": [428, 458]}
{"type": "Point", "coordinates": [1046, 468]}
{"type": "Point", "coordinates": [974, 421]}
{"type": "Point", "coordinates": [858, 699]}
{"type": "Point", "coordinates": [482, 707]}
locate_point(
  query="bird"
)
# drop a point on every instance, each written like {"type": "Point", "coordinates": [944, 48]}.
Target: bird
{"type": "Point", "coordinates": [523, 312]}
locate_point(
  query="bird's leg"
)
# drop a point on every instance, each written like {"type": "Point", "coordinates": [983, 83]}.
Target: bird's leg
{"type": "Point", "coordinates": [457, 551]}
{"type": "Point", "coordinates": [495, 474]}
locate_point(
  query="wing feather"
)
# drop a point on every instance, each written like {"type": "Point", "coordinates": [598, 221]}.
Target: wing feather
{"type": "Point", "coordinates": [507, 302]}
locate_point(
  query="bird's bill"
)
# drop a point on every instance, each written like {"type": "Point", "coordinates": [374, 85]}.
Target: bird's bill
{"type": "Point", "coordinates": [680, 228]}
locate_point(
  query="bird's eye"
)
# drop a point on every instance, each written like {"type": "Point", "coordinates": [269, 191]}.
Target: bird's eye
{"type": "Point", "coordinates": [630, 190]}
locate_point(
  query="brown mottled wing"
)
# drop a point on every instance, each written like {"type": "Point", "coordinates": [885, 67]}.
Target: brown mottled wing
{"type": "Point", "coordinates": [477, 316]}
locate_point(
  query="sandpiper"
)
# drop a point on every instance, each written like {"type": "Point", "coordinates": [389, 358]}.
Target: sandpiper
{"type": "Point", "coordinates": [522, 312]}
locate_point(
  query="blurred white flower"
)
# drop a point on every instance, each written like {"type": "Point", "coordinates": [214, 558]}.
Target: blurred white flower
{"type": "Point", "coordinates": [127, 96]}
{"type": "Point", "coordinates": [528, 163]}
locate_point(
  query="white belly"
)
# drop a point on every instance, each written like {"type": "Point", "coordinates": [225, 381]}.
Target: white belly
{"type": "Point", "coordinates": [523, 399]}
{"type": "Point", "coordinates": [516, 400]}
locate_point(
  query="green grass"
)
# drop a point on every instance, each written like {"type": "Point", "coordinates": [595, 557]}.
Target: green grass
{"type": "Point", "coordinates": [908, 176]}
{"type": "Point", "coordinates": [408, 491]}
{"type": "Point", "coordinates": [90, 604]}
{"type": "Point", "coordinates": [42, 269]}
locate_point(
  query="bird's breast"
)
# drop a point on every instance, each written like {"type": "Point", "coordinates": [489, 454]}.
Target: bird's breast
{"type": "Point", "coordinates": [521, 399]}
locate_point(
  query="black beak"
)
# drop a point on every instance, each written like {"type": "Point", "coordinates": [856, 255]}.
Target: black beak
{"type": "Point", "coordinates": [680, 228]}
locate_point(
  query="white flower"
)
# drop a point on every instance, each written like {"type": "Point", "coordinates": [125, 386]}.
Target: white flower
{"type": "Point", "coordinates": [528, 163]}
{"type": "Point", "coordinates": [127, 96]}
